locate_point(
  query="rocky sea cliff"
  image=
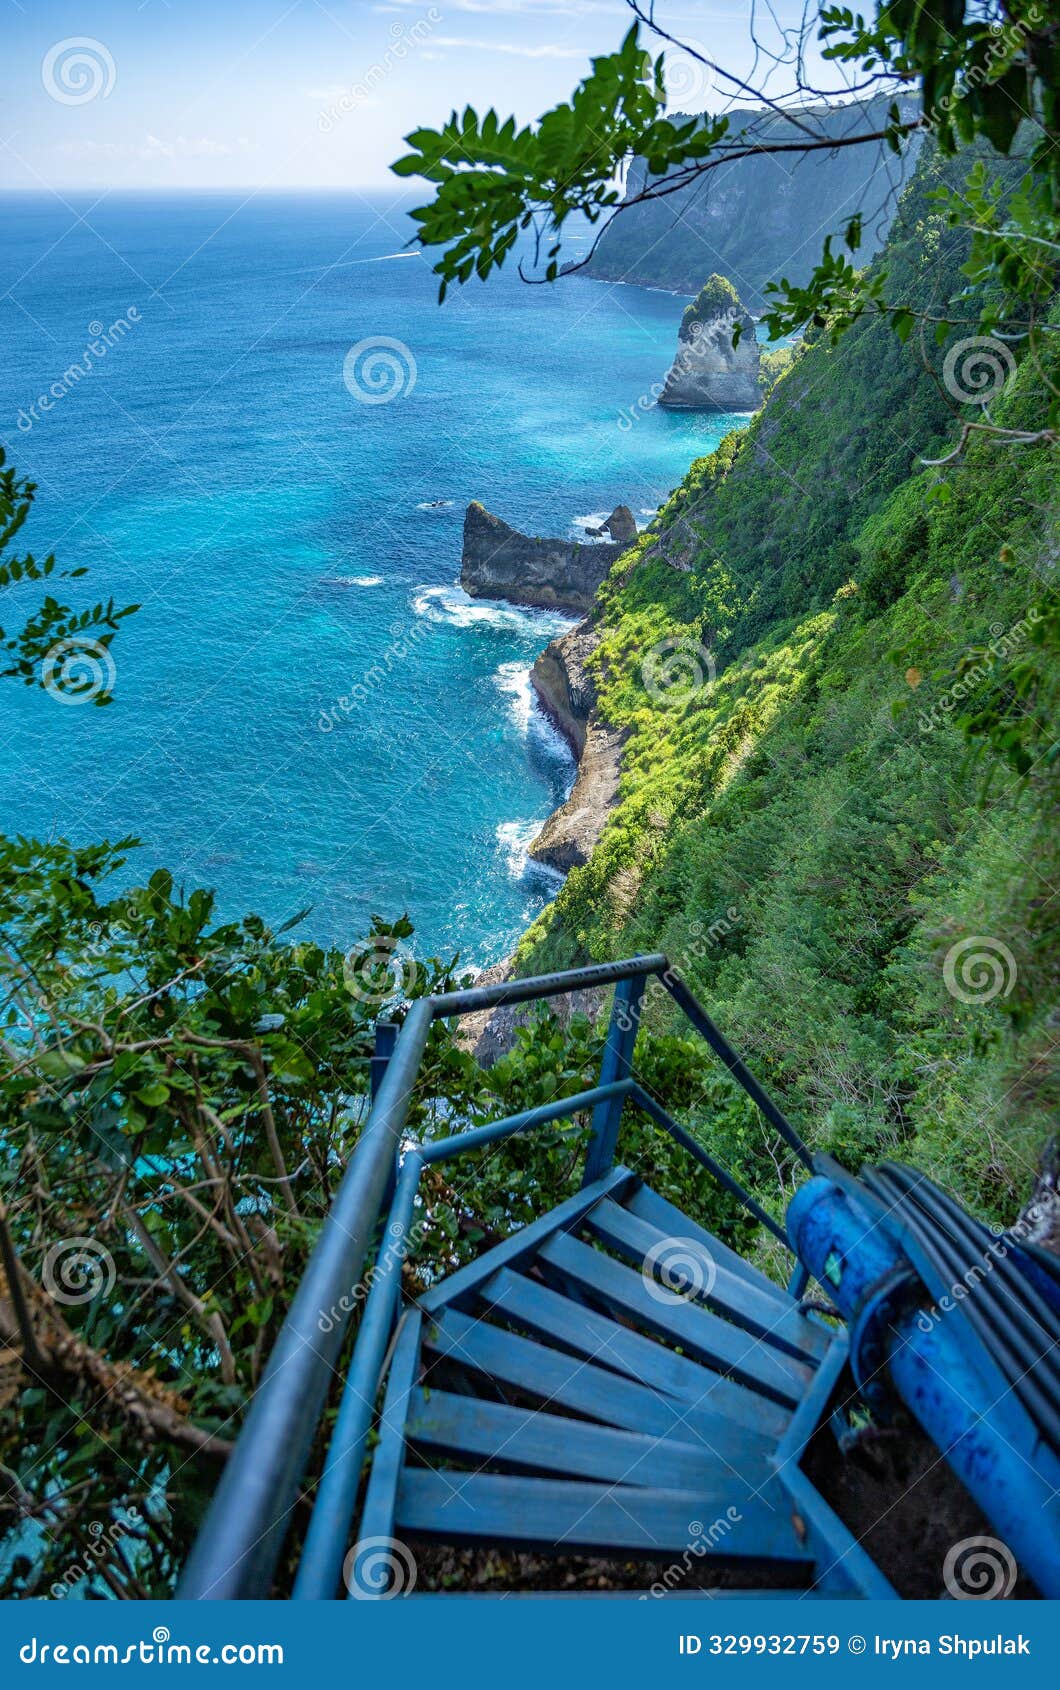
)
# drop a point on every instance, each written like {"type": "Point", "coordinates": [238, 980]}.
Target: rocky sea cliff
{"type": "Point", "coordinates": [543, 574]}
{"type": "Point", "coordinates": [495, 562]}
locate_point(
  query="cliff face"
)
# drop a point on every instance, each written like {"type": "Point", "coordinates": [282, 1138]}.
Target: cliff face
{"type": "Point", "coordinates": [567, 693]}
{"type": "Point", "coordinates": [545, 574]}
{"type": "Point", "coordinates": [709, 373]}
{"type": "Point", "coordinates": [761, 217]}
{"type": "Point", "coordinates": [565, 689]}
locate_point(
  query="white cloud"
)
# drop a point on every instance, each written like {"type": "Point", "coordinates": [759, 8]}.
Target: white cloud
{"type": "Point", "coordinates": [204, 146]}
{"type": "Point", "coordinates": [92, 149]}
{"type": "Point", "coordinates": [515, 49]}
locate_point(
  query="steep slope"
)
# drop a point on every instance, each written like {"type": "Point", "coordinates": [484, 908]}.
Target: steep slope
{"type": "Point", "coordinates": [756, 219]}
{"type": "Point", "coordinates": [796, 655]}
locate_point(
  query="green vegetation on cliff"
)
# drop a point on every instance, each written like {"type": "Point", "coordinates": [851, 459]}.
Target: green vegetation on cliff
{"type": "Point", "coordinates": [846, 840]}
{"type": "Point", "coordinates": [716, 295]}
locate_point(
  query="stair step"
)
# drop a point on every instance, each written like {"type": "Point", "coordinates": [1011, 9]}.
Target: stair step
{"type": "Point", "coordinates": [462, 1427]}
{"type": "Point", "coordinates": [646, 1203]}
{"type": "Point", "coordinates": [548, 1315]}
{"type": "Point", "coordinates": [714, 1525]}
{"type": "Point", "coordinates": [459, 1286]}
{"type": "Point", "coordinates": [566, 1382]}
{"type": "Point", "coordinates": [700, 1334]}
{"type": "Point", "coordinates": [709, 1280]}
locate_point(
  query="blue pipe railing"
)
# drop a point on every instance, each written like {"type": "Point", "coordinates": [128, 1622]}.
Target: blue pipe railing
{"type": "Point", "coordinates": [242, 1537]}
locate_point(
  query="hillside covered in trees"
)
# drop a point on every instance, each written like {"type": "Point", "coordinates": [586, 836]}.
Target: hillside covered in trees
{"type": "Point", "coordinates": [862, 801]}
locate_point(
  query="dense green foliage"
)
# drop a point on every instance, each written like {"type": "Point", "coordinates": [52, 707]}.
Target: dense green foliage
{"type": "Point", "coordinates": [871, 778]}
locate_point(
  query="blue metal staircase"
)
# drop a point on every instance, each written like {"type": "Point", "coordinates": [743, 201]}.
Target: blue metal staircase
{"type": "Point", "coordinates": [578, 1403]}
{"type": "Point", "coordinates": [613, 1380]}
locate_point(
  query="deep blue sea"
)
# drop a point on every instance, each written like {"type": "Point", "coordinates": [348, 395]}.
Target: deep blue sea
{"type": "Point", "coordinates": [294, 544]}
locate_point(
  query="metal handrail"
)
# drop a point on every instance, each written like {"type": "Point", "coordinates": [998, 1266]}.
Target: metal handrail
{"type": "Point", "coordinates": [240, 1542]}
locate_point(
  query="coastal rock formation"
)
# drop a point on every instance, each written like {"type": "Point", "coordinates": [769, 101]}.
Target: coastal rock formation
{"type": "Point", "coordinates": [567, 693]}
{"type": "Point", "coordinates": [565, 689]}
{"type": "Point", "coordinates": [490, 1033]}
{"type": "Point", "coordinates": [544, 574]}
{"type": "Point", "coordinates": [568, 837]}
{"type": "Point", "coordinates": [621, 525]}
{"type": "Point", "coordinates": [709, 373]}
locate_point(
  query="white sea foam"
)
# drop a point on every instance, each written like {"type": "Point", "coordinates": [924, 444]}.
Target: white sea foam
{"type": "Point", "coordinates": [357, 580]}
{"type": "Point", "coordinates": [451, 605]}
{"type": "Point", "coordinates": [582, 524]}
{"type": "Point", "coordinates": [514, 839]}
{"type": "Point", "coordinates": [513, 679]}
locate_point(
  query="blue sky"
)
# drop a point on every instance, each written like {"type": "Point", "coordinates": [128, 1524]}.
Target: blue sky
{"type": "Point", "coordinates": [297, 93]}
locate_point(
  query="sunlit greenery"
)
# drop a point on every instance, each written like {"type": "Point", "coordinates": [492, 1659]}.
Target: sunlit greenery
{"type": "Point", "coordinates": [872, 776]}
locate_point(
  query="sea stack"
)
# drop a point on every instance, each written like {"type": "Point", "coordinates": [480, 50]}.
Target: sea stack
{"type": "Point", "coordinates": [620, 526]}
{"type": "Point", "coordinates": [709, 373]}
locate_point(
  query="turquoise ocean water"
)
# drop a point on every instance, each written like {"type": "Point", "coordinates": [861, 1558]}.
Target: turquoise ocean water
{"type": "Point", "coordinates": [294, 544]}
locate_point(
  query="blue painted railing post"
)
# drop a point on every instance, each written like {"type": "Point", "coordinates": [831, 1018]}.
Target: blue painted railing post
{"type": "Point", "coordinates": [615, 1065]}
{"type": "Point", "coordinates": [386, 1033]}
